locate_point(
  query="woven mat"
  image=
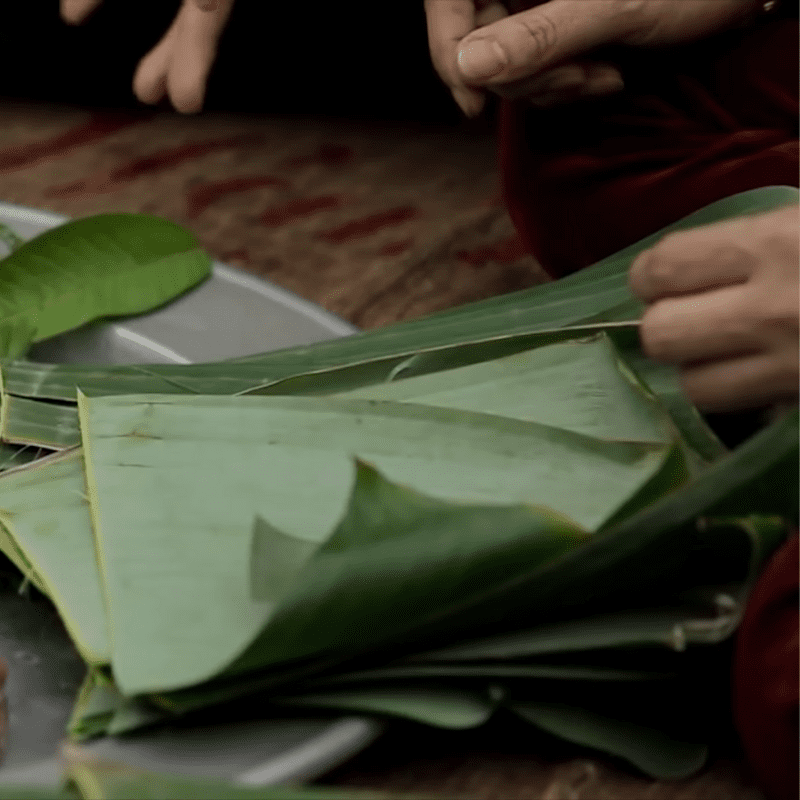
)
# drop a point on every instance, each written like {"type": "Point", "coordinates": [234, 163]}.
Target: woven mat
{"type": "Point", "coordinates": [377, 223]}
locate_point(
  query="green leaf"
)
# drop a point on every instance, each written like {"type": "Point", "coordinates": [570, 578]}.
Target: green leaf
{"type": "Point", "coordinates": [656, 549]}
{"type": "Point", "coordinates": [43, 508]}
{"type": "Point", "coordinates": [486, 671]}
{"type": "Point", "coordinates": [147, 457]}
{"type": "Point", "coordinates": [12, 456]}
{"type": "Point", "coordinates": [572, 386]}
{"type": "Point", "coordinates": [651, 750]}
{"type": "Point", "coordinates": [41, 424]}
{"type": "Point", "coordinates": [16, 336]}
{"type": "Point", "coordinates": [440, 706]}
{"type": "Point", "coordinates": [409, 555]}
{"type": "Point", "coordinates": [490, 329]}
{"type": "Point", "coordinates": [665, 627]}
{"type": "Point", "coordinates": [275, 561]}
{"type": "Point", "coordinates": [105, 265]}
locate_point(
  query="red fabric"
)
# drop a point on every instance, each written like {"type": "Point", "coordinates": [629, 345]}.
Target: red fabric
{"type": "Point", "coordinates": [695, 124]}
{"type": "Point", "coordinates": [766, 679]}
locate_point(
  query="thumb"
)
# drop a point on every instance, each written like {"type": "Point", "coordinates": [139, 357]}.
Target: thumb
{"type": "Point", "coordinates": [526, 43]}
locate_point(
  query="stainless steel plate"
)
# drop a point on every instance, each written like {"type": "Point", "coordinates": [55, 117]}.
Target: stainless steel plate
{"type": "Point", "coordinates": [230, 315]}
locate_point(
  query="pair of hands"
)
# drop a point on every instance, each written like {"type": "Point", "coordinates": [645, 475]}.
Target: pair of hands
{"type": "Point", "coordinates": [722, 300]}
{"type": "Point", "coordinates": [475, 45]}
{"type": "Point", "coordinates": [541, 54]}
{"type": "Point", "coordinates": [179, 65]}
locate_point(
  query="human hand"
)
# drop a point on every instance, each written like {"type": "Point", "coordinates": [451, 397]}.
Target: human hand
{"type": "Point", "coordinates": [540, 54]}
{"type": "Point", "coordinates": [180, 63]}
{"type": "Point", "coordinates": [724, 307]}
{"type": "Point", "coordinates": [449, 24]}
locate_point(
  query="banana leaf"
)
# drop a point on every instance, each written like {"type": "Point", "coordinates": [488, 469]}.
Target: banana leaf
{"type": "Point", "coordinates": [597, 294]}
{"type": "Point", "coordinates": [44, 511]}
{"type": "Point", "coordinates": [566, 386]}
{"type": "Point", "coordinates": [144, 460]}
{"type": "Point", "coordinates": [736, 548]}
{"type": "Point", "coordinates": [39, 424]}
{"type": "Point", "coordinates": [408, 554]}
{"type": "Point", "coordinates": [637, 417]}
{"type": "Point", "coordinates": [653, 751]}
{"type": "Point", "coordinates": [438, 706]}
{"type": "Point", "coordinates": [522, 381]}
{"type": "Point", "coordinates": [104, 265]}
{"type": "Point", "coordinates": [662, 546]}
{"type": "Point", "coordinates": [16, 456]}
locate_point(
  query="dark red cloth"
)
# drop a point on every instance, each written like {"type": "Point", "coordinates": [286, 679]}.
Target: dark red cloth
{"type": "Point", "coordinates": [766, 676]}
{"type": "Point", "coordinates": [694, 124]}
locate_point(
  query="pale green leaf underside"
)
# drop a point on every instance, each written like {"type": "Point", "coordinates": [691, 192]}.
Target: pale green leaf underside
{"type": "Point", "coordinates": [147, 456]}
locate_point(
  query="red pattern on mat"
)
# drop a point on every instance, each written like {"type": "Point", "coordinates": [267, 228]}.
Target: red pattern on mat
{"type": "Point", "coordinates": [299, 208]}
{"type": "Point", "coordinates": [395, 248]}
{"type": "Point", "coordinates": [153, 163]}
{"type": "Point", "coordinates": [327, 155]}
{"type": "Point", "coordinates": [506, 251]}
{"type": "Point", "coordinates": [366, 226]}
{"type": "Point", "coordinates": [99, 127]}
{"type": "Point", "coordinates": [201, 197]}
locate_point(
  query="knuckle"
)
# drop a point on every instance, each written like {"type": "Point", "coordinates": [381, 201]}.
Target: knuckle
{"type": "Point", "coordinates": [657, 271]}
{"type": "Point", "coordinates": [536, 37]}
{"type": "Point", "coordinates": [656, 334]}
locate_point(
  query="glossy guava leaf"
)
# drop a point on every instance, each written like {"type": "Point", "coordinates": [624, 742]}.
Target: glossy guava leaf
{"type": "Point", "coordinates": [100, 266]}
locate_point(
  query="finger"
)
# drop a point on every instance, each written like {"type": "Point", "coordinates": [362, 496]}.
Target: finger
{"type": "Point", "coordinates": [749, 382]}
{"type": "Point", "coordinates": [567, 82]}
{"type": "Point", "coordinates": [594, 87]}
{"type": "Point", "coordinates": [449, 21]}
{"type": "Point", "coordinates": [194, 53]}
{"type": "Point", "coordinates": [469, 101]}
{"type": "Point", "coordinates": [710, 325]}
{"type": "Point", "coordinates": [150, 80]}
{"type": "Point", "coordinates": [73, 12]}
{"type": "Point", "coordinates": [692, 261]}
{"type": "Point", "coordinates": [491, 13]}
{"type": "Point", "coordinates": [524, 44]}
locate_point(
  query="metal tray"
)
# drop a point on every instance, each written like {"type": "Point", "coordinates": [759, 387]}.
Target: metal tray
{"type": "Point", "coordinates": [229, 315]}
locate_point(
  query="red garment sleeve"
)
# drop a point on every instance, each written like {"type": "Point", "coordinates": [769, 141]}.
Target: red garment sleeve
{"type": "Point", "coordinates": [694, 124]}
{"type": "Point", "coordinates": [765, 677]}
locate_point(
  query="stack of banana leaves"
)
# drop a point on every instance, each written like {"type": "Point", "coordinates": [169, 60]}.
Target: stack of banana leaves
{"type": "Point", "coordinates": [502, 510]}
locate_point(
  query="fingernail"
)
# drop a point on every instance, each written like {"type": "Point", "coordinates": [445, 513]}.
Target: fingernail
{"type": "Point", "coordinates": [481, 59]}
